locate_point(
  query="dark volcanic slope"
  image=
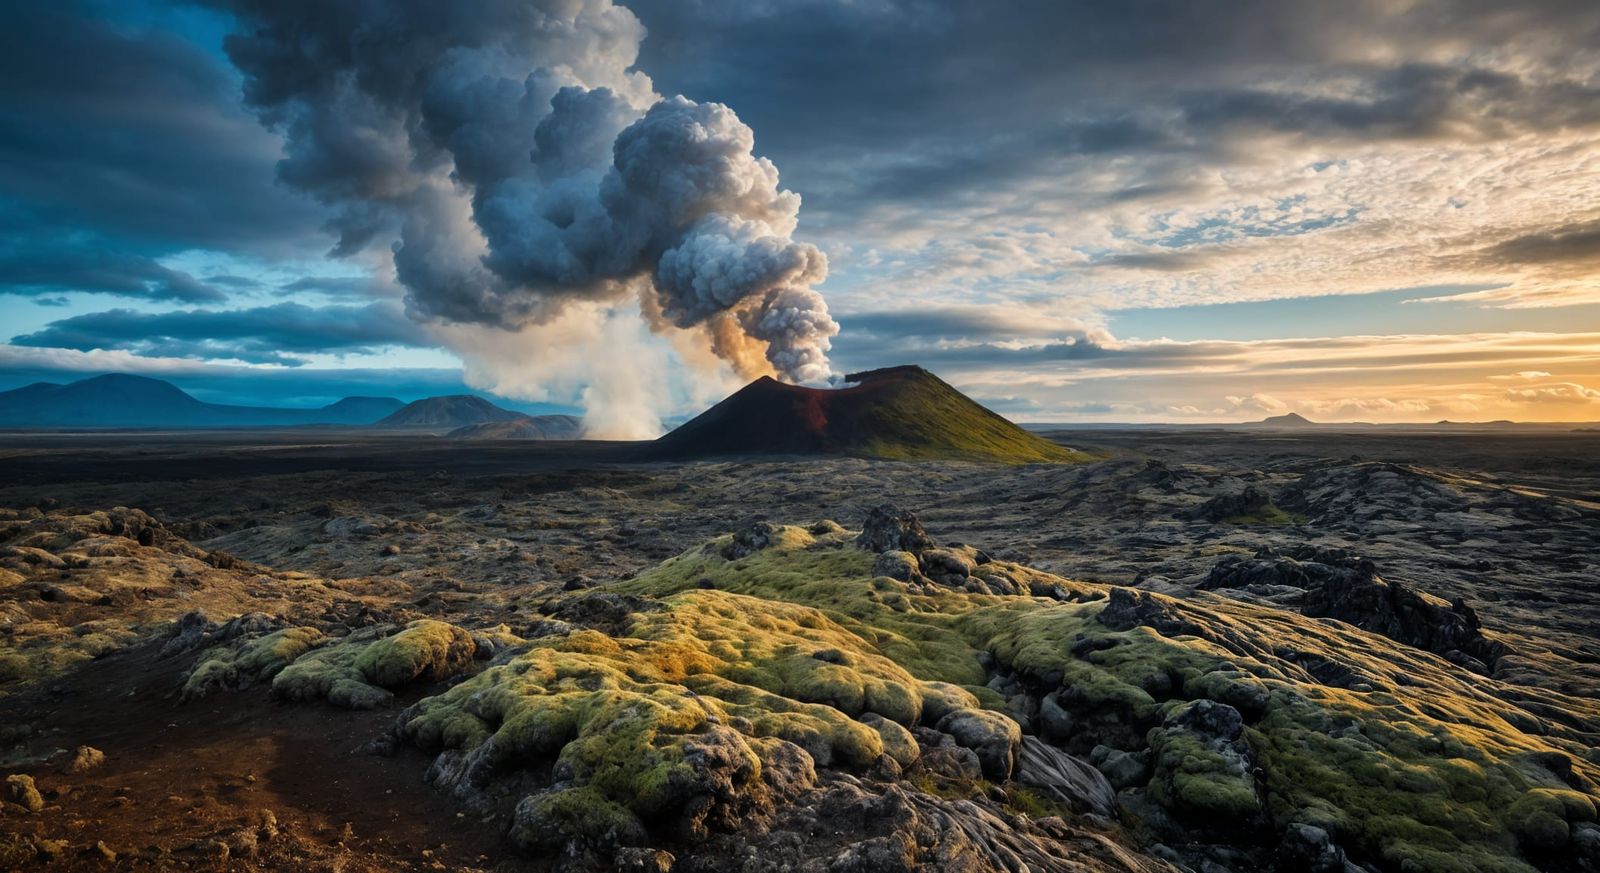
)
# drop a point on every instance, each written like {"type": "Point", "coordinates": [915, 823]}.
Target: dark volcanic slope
{"type": "Point", "coordinates": [538, 427]}
{"type": "Point", "coordinates": [457, 410]}
{"type": "Point", "coordinates": [898, 412]}
{"type": "Point", "coordinates": [123, 400]}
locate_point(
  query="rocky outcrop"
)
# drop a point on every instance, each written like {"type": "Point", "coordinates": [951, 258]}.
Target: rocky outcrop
{"type": "Point", "coordinates": [1309, 848]}
{"type": "Point", "coordinates": [1347, 587]}
{"type": "Point", "coordinates": [995, 738]}
{"type": "Point", "coordinates": [890, 528]}
{"type": "Point", "coordinates": [1127, 608]}
{"type": "Point", "coordinates": [1070, 780]}
{"type": "Point", "coordinates": [1246, 502]}
{"type": "Point", "coordinates": [1204, 769]}
{"type": "Point", "coordinates": [851, 825]}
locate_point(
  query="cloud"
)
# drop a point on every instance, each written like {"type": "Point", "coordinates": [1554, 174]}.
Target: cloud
{"type": "Point", "coordinates": [1256, 403]}
{"type": "Point", "coordinates": [121, 146]}
{"type": "Point", "coordinates": [30, 267]}
{"type": "Point", "coordinates": [1171, 156]}
{"type": "Point", "coordinates": [1576, 244]}
{"type": "Point", "coordinates": [283, 333]}
{"type": "Point", "coordinates": [519, 164]}
{"type": "Point", "coordinates": [1555, 392]}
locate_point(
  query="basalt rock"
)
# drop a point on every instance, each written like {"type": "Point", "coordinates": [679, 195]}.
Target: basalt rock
{"type": "Point", "coordinates": [1309, 848]}
{"type": "Point", "coordinates": [1247, 501]}
{"type": "Point", "coordinates": [1204, 769]}
{"type": "Point", "coordinates": [750, 539]}
{"type": "Point", "coordinates": [1070, 780]}
{"type": "Point", "coordinates": [1127, 608]}
{"type": "Point", "coordinates": [1347, 587]}
{"type": "Point", "coordinates": [890, 528]}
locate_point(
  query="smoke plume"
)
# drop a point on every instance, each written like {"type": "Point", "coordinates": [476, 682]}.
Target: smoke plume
{"type": "Point", "coordinates": [517, 167]}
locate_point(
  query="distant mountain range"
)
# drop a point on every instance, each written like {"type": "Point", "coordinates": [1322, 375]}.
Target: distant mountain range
{"type": "Point", "coordinates": [122, 400]}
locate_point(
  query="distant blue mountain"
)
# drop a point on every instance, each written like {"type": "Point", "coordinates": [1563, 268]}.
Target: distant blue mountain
{"type": "Point", "coordinates": [456, 410]}
{"type": "Point", "coordinates": [123, 400]}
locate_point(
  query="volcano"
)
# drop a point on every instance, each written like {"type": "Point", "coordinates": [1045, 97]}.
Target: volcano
{"type": "Point", "coordinates": [897, 413]}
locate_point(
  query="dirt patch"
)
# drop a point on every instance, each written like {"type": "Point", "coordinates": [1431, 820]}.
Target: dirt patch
{"type": "Point", "coordinates": [181, 782]}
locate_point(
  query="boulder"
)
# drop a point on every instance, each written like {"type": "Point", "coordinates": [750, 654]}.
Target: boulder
{"type": "Point", "coordinates": [750, 539]}
{"type": "Point", "coordinates": [946, 566]}
{"type": "Point", "coordinates": [996, 739]}
{"type": "Point", "coordinates": [21, 791]}
{"type": "Point", "coordinates": [1309, 848]}
{"type": "Point", "coordinates": [897, 565]}
{"type": "Point", "coordinates": [889, 528]}
{"type": "Point", "coordinates": [1127, 608]}
{"type": "Point", "coordinates": [1204, 769]}
{"type": "Point", "coordinates": [85, 759]}
{"type": "Point", "coordinates": [1121, 768]}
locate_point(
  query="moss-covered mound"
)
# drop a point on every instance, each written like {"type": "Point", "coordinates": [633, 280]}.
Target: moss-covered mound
{"type": "Point", "coordinates": [359, 671]}
{"type": "Point", "coordinates": [896, 413]}
{"type": "Point", "coordinates": [1409, 762]}
{"type": "Point", "coordinates": [251, 661]}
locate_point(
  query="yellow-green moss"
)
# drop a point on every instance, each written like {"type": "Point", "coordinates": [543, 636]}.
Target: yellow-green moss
{"type": "Point", "coordinates": [358, 671]}
{"type": "Point", "coordinates": [799, 642]}
{"type": "Point", "coordinates": [256, 660]}
{"type": "Point", "coordinates": [1424, 771]}
{"type": "Point", "coordinates": [14, 666]}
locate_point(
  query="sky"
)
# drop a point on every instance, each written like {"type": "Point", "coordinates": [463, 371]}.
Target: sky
{"type": "Point", "coordinates": [1075, 211]}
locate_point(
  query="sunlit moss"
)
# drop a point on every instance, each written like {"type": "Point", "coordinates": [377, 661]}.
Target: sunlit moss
{"type": "Point", "coordinates": [358, 671]}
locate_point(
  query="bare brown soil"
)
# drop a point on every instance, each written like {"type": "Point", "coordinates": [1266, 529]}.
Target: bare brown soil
{"type": "Point", "coordinates": [180, 782]}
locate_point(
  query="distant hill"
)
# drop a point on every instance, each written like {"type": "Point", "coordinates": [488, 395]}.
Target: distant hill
{"type": "Point", "coordinates": [456, 410]}
{"type": "Point", "coordinates": [124, 400]}
{"type": "Point", "coordinates": [1288, 419]}
{"type": "Point", "coordinates": [899, 412]}
{"type": "Point", "coordinates": [538, 427]}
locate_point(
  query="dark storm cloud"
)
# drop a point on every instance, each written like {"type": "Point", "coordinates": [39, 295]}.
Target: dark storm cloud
{"type": "Point", "coordinates": [1413, 101]}
{"type": "Point", "coordinates": [45, 267]}
{"type": "Point", "coordinates": [1570, 244]}
{"type": "Point", "coordinates": [964, 97]}
{"type": "Point", "coordinates": [280, 334]}
{"type": "Point", "coordinates": [119, 147]}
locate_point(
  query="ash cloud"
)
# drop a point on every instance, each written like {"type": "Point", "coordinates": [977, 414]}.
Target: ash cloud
{"type": "Point", "coordinates": [518, 166]}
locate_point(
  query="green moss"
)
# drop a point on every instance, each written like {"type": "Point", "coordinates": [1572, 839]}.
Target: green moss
{"type": "Point", "coordinates": [358, 671]}
{"type": "Point", "coordinates": [15, 667]}
{"type": "Point", "coordinates": [251, 661]}
{"type": "Point", "coordinates": [263, 658]}
{"type": "Point", "coordinates": [1542, 818]}
{"type": "Point", "coordinates": [799, 642]}
{"type": "Point", "coordinates": [426, 649]}
{"type": "Point", "coordinates": [1034, 803]}
{"type": "Point", "coordinates": [549, 820]}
